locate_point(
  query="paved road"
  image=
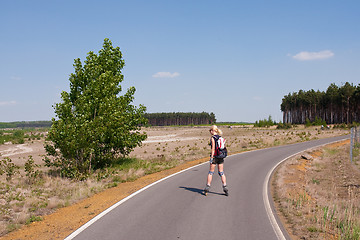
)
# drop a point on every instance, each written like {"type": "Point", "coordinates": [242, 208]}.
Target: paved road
{"type": "Point", "coordinates": [176, 209]}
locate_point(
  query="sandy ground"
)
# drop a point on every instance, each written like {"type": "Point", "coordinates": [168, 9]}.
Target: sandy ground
{"type": "Point", "coordinates": [187, 144]}
{"type": "Point", "coordinates": [316, 193]}
{"type": "Point", "coordinates": [19, 152]}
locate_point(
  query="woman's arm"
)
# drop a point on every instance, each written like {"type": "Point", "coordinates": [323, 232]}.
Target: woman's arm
{"type": "Point", "coordinates": [212, 147]}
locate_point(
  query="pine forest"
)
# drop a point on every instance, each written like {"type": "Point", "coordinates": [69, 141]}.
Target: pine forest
{"type": "Point", "coordinates": [180, 118]}
{"type": "Point", "coordinates": [335, 106]}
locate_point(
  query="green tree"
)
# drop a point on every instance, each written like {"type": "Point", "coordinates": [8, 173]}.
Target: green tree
{"type": "Point", "coordinates": [94, 124]}
{"type": "Point", "coordinates": [265, 123]}
{"type": "Point", "coordinates": [346, 92]}
{"type": "Point", "coordinates": [335, 106]}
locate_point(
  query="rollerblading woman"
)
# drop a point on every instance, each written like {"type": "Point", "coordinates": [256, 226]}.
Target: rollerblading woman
{"type": "Point", "coordinates": [216, 160]}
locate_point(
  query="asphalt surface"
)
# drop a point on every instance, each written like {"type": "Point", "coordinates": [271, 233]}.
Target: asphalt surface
{"type": "Point", "coordinates": [177, 209]}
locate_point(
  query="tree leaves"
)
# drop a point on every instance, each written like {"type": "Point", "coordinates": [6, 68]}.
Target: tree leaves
{"type": "Point", "coordinates": [94, 123]}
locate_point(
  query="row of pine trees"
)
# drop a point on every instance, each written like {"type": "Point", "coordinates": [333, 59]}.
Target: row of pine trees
{"type": "Point", "coordinates": [180, 118]}
{"type": "Point", "coordinates": [28, 124]}
{"type": "Point", "coordinates": [336, 105]}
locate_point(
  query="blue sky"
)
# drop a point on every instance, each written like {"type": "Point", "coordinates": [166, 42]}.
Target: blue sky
{"type": "Point", "coordinates": [234, 58]}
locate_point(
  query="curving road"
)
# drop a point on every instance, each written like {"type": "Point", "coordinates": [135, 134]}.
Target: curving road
{"type": "Point", "coordinates": [175, 208]}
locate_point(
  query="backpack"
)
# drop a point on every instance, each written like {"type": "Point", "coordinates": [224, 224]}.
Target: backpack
{"type": "Point", "coordinates": [220, 149]}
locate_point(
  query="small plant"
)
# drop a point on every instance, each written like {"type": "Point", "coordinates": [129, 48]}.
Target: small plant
{"type": "Point", "coordinates": [34, 219]}
{"type": "Point", "coordinates": [312, 229]}
{"type": "Point", "coordinates": [31, 173]}
{"type": "Point", "coordinates": [315, 181]}
{"type": "Point", "coordinates": [8, 167]}
{"type": "Point", "coordinates": [325, 216]}
{"type": "Point", "coordinates": [277, 142]}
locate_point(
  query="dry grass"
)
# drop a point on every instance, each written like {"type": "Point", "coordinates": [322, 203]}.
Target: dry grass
{"type": "Point", "coordinates": [323, 203]}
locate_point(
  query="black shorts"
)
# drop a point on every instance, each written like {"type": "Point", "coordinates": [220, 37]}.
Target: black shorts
{"type": "Point", "coordinates": [218, 161]}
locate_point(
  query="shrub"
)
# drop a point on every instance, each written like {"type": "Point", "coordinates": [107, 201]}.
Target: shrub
{"type": "Point", "coordinates": [265, 123]}
{"type": "Point", "coordinates": [32, 173]}
{"type": "Point", "coordinates": [284, 125]}
{"type": "Point", "coordinates": [8, 167]}
{"type": "Point", "coordinates": [318, 122]}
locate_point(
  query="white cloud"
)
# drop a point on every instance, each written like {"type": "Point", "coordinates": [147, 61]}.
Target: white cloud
{"type": "Point", "coordinates": [15, 78]}
{"type": "Point", "coordinates": [306, 56]}
{"type": "Point", "coordinates": [6, 103]}
{"type": "Point", "coordinates": [257, 98]}
{"type": "Point", "coordinates": [166, 75]}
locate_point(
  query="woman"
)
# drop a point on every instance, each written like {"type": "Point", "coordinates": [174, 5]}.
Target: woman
{"type": "Point", "coordinates": [215, 134]}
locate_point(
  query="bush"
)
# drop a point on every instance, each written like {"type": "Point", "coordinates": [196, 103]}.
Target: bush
{"type": "Point", "coordinates": [8, 167]}
{"type": "Point", "coordinates": [15, 136]}
{"type": "Point", "coordinates": [265, 123]}
{"type": "Point", "coordinates": [32, 173]}
{"type": "Point", "coordinates": [318, 122]}
{"type": "Point", "coordinates": [284, 125]}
